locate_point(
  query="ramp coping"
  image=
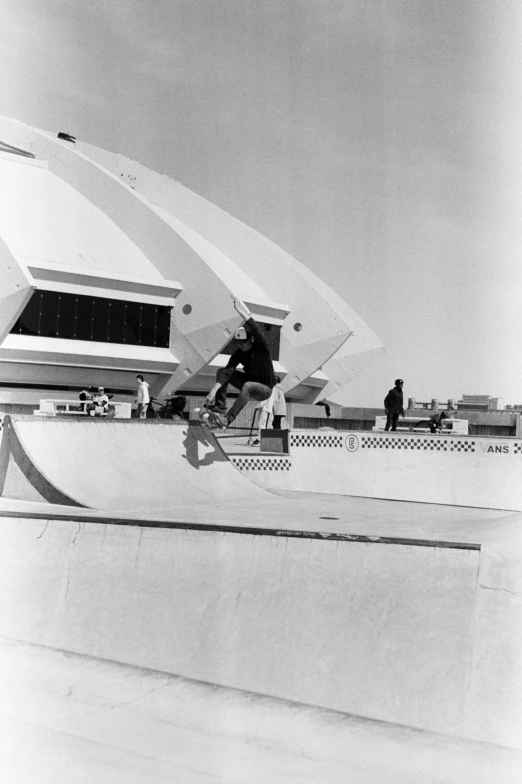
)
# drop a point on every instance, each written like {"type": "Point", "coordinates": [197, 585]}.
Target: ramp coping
{"type": "Point", "coordinates": [245, 530]}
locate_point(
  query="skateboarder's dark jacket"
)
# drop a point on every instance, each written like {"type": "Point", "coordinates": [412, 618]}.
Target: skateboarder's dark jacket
{"type": "Point", "coordinates": [257, 360]}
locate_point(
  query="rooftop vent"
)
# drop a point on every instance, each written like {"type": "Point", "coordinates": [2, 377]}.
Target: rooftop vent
{"type": "Point", "coordinates": [66, 137]}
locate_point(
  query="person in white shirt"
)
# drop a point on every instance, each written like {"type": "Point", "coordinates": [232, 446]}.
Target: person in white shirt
{"type": "Point", "coordinates": [278, 405]}
{"type": "Point", "coordinates": [274, 407]}
{"type": "Point", "coordinates": [143, 398]}
{"type": "Point", "coordinates": [265, 412]}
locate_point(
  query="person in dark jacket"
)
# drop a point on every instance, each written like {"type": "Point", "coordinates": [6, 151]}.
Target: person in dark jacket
{"type": "Point", "coordinates": [255, 381]}
{"type": "Point", "coordinates": [435, 422]}
{"type": "Point", "coordinates": [394, 405]}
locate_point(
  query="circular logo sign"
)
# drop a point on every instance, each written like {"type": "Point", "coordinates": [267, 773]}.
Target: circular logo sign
{"type": "Point", "coordinates": [352, 443]}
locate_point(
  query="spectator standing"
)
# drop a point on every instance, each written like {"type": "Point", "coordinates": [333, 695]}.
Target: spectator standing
{"type": "Point", "coordinates": [264, 412]}
{"type": "Point", "coordinates": [278, 405]}
{"type": "Point", "coordinates": [394, 405]}
{"type": "Point", "coordinates": [143, 398]}
{"type": "Point", "coordinates": [275, 407]}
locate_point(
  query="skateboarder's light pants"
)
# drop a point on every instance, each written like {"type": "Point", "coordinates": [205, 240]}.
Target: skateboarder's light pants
{"type": "Point", "coordinates": [249, 390]}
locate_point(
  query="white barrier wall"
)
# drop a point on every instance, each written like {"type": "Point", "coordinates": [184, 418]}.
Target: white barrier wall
{"type": "Point", "coordinates": [376, 630]}
{"type": "Point", "coordinates": [457, 470]}
{"type": "Point", "coordinates": [459, 426]}
{"type": "Point", "coordinates": [71, 407]}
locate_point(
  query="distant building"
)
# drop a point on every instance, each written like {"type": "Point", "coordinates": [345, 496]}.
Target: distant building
{"type": "Point", "coordinates": [467, 403]}
{"type": "Point", "coordinates": [480, 403]}
{"type": "Point", "coordinates": [433, 405]}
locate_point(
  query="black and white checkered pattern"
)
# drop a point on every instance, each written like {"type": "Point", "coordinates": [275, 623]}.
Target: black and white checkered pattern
{"type": "Point", "coordinates": [261, 463]}
{"type": "Point", "coordinates": [317, 439]}
{"type": "Point", "coordinates": [517, 448]}
{"type": "Point", "coordinates": [419, 443]}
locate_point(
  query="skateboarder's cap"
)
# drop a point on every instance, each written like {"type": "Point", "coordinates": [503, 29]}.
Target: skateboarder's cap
{"type": "Point", "coordinates": [241, 334]}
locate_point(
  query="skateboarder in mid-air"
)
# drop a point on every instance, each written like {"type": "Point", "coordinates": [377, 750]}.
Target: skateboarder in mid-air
{"type": "Point", "coordinates": [255, 381]}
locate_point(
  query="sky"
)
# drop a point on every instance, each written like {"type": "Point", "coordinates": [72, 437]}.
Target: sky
{"type": "Point", "coordinates": [377, 141]}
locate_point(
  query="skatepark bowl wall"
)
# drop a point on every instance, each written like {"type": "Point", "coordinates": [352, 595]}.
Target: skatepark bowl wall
{"type": "Point", "coordinates": [89, 463]}
{"type": "Point", "coordinates": [199, 572]}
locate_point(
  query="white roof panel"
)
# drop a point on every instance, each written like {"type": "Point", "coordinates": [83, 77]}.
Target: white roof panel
{"type": "Point", "coordinates": [44, 219]}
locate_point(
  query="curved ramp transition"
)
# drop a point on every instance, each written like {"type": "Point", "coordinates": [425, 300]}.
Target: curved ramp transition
{"type": "Point", "coordinates": [118, 466]}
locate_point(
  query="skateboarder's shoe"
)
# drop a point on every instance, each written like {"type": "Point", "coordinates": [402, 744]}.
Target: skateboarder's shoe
{"type": "Point", "coordinates": [203, 415]}
{"type": "Point", "coordinates": [212, 419]}
{"type": "Point", "coordinates": [217, 421]}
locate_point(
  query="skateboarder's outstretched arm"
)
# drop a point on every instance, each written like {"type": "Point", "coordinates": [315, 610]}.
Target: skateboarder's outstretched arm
{"type": "Point", "coordinates": [241, 309]}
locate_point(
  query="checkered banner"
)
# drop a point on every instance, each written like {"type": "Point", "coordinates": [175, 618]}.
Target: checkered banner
{"type": "Point", "coordinates": [419, 443]}
{"type": "Point", "coordinates": [261, 463]}
{"type": "Point", "coordinates": [317, 439]}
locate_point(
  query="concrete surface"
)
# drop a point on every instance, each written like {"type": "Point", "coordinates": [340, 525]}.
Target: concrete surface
{"type": "Point", "coordinates": [291, 617]}
{"type": "Point", "coordinates": [67, 719]}
{"type": "Point", "coordinates": [406, 613]}
{"type": "Point", "coordinates": [412, 631]}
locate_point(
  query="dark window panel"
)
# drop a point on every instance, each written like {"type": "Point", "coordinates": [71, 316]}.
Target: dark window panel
{"type": "Point", "coordinates": [78, 317]}
{"type": "Point", "coordinates": [117, 325]}
{"type": "Point", "coordinates": [163, 327]}
{"type": "Point", "coordinates": [273, 335]}
{"type": "Point", "coordinates": [66, 316]}
{"type": "Point", "coordinates": [48, 327]}
{"type": "Point", "coordinates": [84, 318]}
{"type": "Point", "coordinates": [148, 325]}
{"type": "Point", "coordinates": [101, 319]}
{"type": "Point", "coordinates": [132, 332]}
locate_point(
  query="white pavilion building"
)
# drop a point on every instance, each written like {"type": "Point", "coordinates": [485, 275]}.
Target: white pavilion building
{"type": "Point", "coordinates": [109, 269]}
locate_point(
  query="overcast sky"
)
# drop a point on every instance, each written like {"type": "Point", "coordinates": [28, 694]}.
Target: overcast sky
{"type": "Point", "coordinates": [378, 141]}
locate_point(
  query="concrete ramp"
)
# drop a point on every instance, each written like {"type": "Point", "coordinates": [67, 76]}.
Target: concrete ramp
{"type": "Point", "coordinates": [419, 634]}
{"type": "Point", "coordinates": [384, 631]}
{"type": "Point", "coordinates": [120, 466]}
{"type": "Point", "coordinates": [414, 631]}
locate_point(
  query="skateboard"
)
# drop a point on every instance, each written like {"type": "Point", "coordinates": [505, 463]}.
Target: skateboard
{"type": "Point", "coordinates": [209, 419]}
